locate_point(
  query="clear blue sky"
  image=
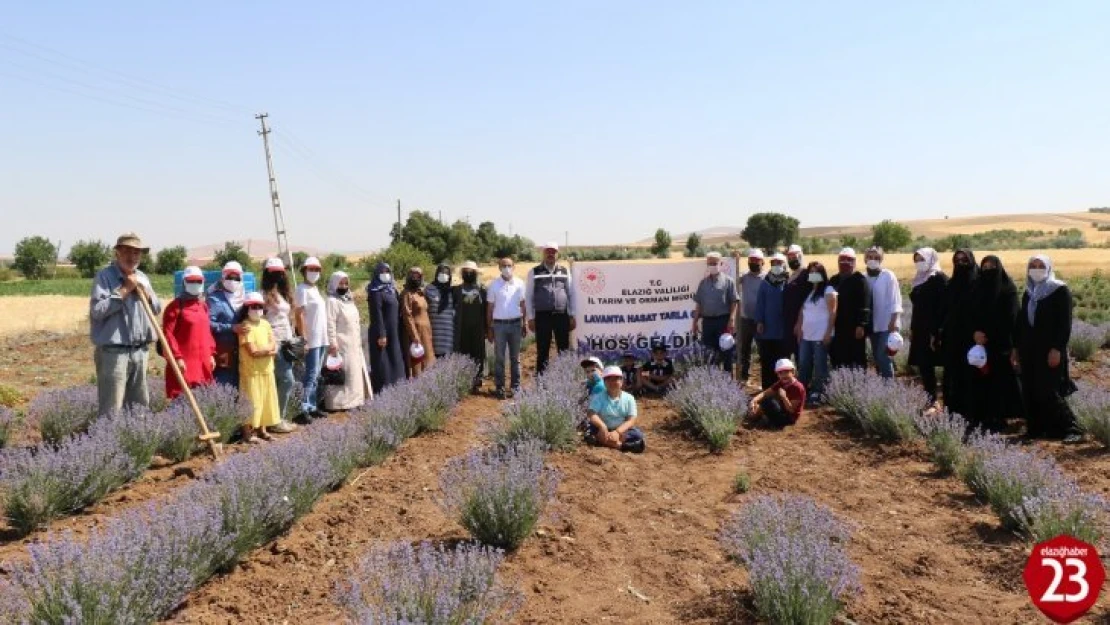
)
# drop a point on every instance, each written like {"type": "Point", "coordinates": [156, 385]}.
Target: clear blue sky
{"type": "Point", "coordinates": [607, 119]}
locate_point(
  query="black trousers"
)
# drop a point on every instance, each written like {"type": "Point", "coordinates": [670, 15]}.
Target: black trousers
{"type": "Point", "coordinates": [848, 351]}
{"type": "Point", "coordinates": [1047, 412]}
{"type": "Point", "coordinates": [777, 415]}
{"type": "Point", "coordinates": [550, 325]}
{"type": "Point", "coordinates": [770, 351]}
{"type": "Point", "coordinates": [929, 380]}
{"type": "Point", "coordinates": [744, 342]}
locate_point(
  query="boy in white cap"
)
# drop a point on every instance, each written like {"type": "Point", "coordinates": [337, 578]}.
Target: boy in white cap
{"type": "Point", "coordinates": [750, 284]}
{"type": "Point", "coordinates": [781, 404]}
{"type": "Point", "coordinates": [853, 314]}
{"type": "Point", "coordinates": [549, 302]}
{"type": "Point", "coordinates": [592, 367]}
{"type": "Point", "coordinates": [612, 416]}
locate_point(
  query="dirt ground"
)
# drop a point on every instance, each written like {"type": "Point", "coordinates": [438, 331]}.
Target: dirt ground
{"type": "Point", "coordinates": [632, 539]}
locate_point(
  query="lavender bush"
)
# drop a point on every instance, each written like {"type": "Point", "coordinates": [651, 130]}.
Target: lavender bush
{"type": "Point", "coordinates": [157, 391]}
{"type": "Point", "coordinates": [1085, 340]}
{"type": "Point", "coordinates": [845, 391]}
{"type": "Point", "coordinates": [223, 408]}
{"type": "Point", "coordinates": [884, 408]}
{"type": "Point", "coordinates": [1008, 478]}
{"type": "Point", "coordinates": [178, 440]}
{"type": "Point", "coordinates": [981, 445]}
{"type": "Point", "coordinates": [398, 583]}
{"type": "Point", "coordinates": [1062, 508]}
{"type": "Point", "coordinates": [792, 548]}
{"type": "Point", "coordinates": [498, 495]}
{"type": "Point", "coordinates": [63, 412]}
{"type": "Point", "coordinates": [708, 399]}
{"type": "Point", "coordinates": [8, 420]}
{"type": "Point", "coordinates": [1091, 405]}
{"type": "Point", "coordinates": [944, 437]}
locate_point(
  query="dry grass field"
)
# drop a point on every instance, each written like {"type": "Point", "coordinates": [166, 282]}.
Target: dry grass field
{"type": "Point", "coordinates": [51, 313]}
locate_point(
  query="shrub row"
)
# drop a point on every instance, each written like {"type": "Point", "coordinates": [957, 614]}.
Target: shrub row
{"type": "Point", "coordinates": [707, 399]}
{"type": "Point", "coordinates": [886, 408]}
{"type": "Point", "coordinates": [139, 566]}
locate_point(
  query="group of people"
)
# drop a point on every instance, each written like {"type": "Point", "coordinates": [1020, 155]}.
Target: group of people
{"type": "Point", "coordinates": [1002, 357]}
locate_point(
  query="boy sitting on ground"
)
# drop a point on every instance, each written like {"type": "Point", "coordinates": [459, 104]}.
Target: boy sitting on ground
{"type": "Point", "coordinates": [781, 404]}
{"type": "Point", "coordinates": [631, 373]}
{"type": "Point", "coordinates": [592, 367]}
{"type": "Point", "coordinates": [657, 373]}
{"type": "Point", "coordinates": [612, 416]}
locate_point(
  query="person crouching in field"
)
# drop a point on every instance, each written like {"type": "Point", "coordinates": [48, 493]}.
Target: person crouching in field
{"type": "Point", "coordinates": [256, 369]}
{"type": "Point", "coordinates": [594, 386]}
{"type": "Point", "coordinates": [612, 416]}
{"type": "Point", "coordinates": [185, 324]}
{"type": "Point", "coordinates": [631, 373]}
{"type": "Point", "coordinates": [781, 404]}
{"type": "Point", "coordinates": [657, 373]}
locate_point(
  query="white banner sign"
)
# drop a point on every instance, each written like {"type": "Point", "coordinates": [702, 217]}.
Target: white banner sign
{"type": "Point", "coordinates": [625, 306]}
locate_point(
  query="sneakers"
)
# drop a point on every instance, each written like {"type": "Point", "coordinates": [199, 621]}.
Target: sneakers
{"type": "Point", "coordinates": [284, 427]}
{"type": "Point", "coordinates": [1073, 439]}
{"type": "Point", "coordinates": [499, 393]}
{"type": "Point", "coordinates": [635, 448]}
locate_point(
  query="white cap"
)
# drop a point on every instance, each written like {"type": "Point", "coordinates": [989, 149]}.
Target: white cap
{"type": "Point", "coordinates": [233, 266]}
{"type": "Point", "coordinates": [755, 252]}
{"type": "Point", "coordinates": [312, 262]}
{"type": "Point", "coordinates": [977, 356]}
{"type": "Point", "coordinates": [551, 245]}
{"type": "Point", "coordinates": [794, 249]}
{"type": "Point", "coordinates": [274, 264]}
{"type": "Point", "coordinates": [612, 371]}
{"type": "Point", "coordinates": [784, 364]}
{"type": "Point", "coordinates": [470, 265]}
{"type": "Point", "coordinates": [779, 257]}
{"type": "Point", "coordinates": [334, 363]}
{"type": "Point", "coordinates": [254, 297]}
{"type": "Point", "coordinates": [593, 360]}
{"type": "Point", "coordinates": [416, 350]}
{"type": "Point", "coordinates": [894, 343]}
{"type": "Point", "coordinates": [716, 255]}
{"type": "Point", "coordinates": [192, 271]}
{"type": "Point", "coordinates": [726, 342]}
{"type": "Point", "coordinates": [849, 252]}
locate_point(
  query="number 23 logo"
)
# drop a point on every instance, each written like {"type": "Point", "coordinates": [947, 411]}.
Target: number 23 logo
{"type": "Point", "coordinates": [1051, 594]}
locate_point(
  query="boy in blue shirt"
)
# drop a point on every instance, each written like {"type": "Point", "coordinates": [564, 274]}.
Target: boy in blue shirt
{"type": "Point", "coordinates": [612, 416]}
{"type": "Point", "coordinates": [594, 386]}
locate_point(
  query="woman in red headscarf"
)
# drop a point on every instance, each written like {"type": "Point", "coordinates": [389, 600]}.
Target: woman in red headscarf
{"type": "Point", "coordinates": [190, 342]}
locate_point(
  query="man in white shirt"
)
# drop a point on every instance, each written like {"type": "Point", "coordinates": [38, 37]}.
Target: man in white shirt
{"type": "Point", "coordinates": [886, 309]}
{"type": "Point", "coordinates": [505, 322]}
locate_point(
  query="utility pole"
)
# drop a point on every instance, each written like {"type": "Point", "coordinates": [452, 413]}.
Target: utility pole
{"type": "Point", "coordinates": [400, 232]}
{"type": "Point", "coordinates": [566, 239]}
{"type": "Point", "coordinates": [275, 201]}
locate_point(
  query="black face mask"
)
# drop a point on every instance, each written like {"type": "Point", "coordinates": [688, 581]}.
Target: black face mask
{"type": "Point", "coordinates": [988, 273]}
{"type": "Point", "coordinates": [754, 267]}
{"type": "Point", "coordinates": [341, 292]}
{"type": "Point", "coordinates": [469, 277]}
{"type": "Point", "coordinates": [794, 264]}
{"type": "Point", "coordinates": [962, 268]}
{"type": "Point", "coordinates": [413, 282]}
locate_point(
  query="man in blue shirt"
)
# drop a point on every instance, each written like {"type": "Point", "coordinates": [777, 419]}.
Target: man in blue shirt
{"type": "Point", "coordinates": [612, 416]}
{"type": "Point", "coordinates": [119, 327]}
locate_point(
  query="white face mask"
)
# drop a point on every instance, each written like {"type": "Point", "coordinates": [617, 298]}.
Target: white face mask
{"type": "Point", "coordinates": [714, 270]}
{"type": "Point", "coordinates": [231, 286]}
{"type": "Point", "coordinates": [255, 315]}
{"type": "Point", "coordinates": [385, 277]}
{"type": "Point", "coordinates": [312, 276]}
{"type": "Point", "coordinates": [815, 277]}
{"type": "Point", "coordinates": [443, 278]}
{"type": "Point", "coordinates": [921, 265]}
{"type": "Point", "coordinates": [506, 272]}
{"type": "Point", "coordinates": [776, 269]}
{"type": "Point", "coordinates": [1038, 275]}
{"type": "Point", "coordinates": [873, 265]}
{"type": "Point", "coordinates": [194, 288]}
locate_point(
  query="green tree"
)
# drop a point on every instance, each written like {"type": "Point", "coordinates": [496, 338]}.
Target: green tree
{"type": "Point", "coordinates": [170, 259]}
{"type": "Point", "coordinates": [400, 257]}
{"type": "Point", "coordinates": [849, 240]}
{"type": "Point", "coordinates": [334, 262]}
{"type": "Point", "coordinates": [231, 251]}
{"type": "Point", "coordinates": [662, 245]}
{"type": "Point", "coordinates": [34, 256]}
{"type": "Point", "coordinates": [425, 232]}
{"type": "Point", "coordinates": [693, 245]}
{"type": "Point", "coordinates": [89, 256]}
{"type": "Point", "coordinates": [890, 235]}
{"type": "Point", "coordinates": [298, 260]}
{"type": "Point", "coordinates": [768, 230]}
{"type": "Point", "coordinates": [461, 242]}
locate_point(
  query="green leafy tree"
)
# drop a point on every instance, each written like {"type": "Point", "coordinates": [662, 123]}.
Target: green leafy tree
{"type": "Point", "coordinates": [34, 256]}
{"type": "Point", "coordinates": [425, 232]}
{"type": "Point", "coordinates": [890, 235]}
{"type": "Point", "coordinates": [400, 257]}
{"type": "Point", "coordinates": [89, 256]}
{"type": "Point", "coordinates": [769, 230]}
{"type": "Point", "coordinates": [849, 240]}
{"type": "Point", "coordinates": [461, 242]}
{"type": "Point", "coordinates": [231, 251]}
{"type": "Point", "coordinates": [334, 262]}
{"type": "Point", "coordinates": [662, 245]}
{"type": "Point", "coordinates": [170, 259]}
{"type": "Point", "coordinates": [693, 245]}
{"type": "Point", "coordinates": [298, 260]}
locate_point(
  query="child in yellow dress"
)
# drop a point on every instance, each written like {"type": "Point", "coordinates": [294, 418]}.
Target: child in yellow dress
{"type": "Point", "coordinates": [257, 348]}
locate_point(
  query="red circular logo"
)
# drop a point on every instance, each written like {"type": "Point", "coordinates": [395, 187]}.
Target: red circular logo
{"type": "Point", "coordinates": [1064, 577]}
{"type": "Point", "coordinates": [592, 282]}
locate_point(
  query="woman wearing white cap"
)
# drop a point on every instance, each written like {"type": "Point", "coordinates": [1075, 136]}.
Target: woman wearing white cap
{"type": "Point", "coordinates": [781, 403]}
{"type": "Point", "coordinates": [185, 324]}
{"type": "Point", "coordinates": [256, 369]}
{"type": "Point", "coordinates": [470, 319]}
{"type": "Point", "coordinates": [345, 342]}
{"type": "Point", "coordinates": [224, 301]}
{"type": "Point", "coordinates": [279, 302]}
{"type": "Point", "coordinates": [311, 318]}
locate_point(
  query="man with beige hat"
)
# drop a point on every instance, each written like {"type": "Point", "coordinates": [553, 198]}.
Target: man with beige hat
{"type": "Point", "coordinates": [119, 327]}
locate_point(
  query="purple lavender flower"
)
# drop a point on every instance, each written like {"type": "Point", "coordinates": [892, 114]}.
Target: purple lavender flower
{"type": "Point", "coordinates": [707, 399]}
{"type": "Point", "coordinates": [1085, 340]}
{"type": "Point", "coordinates": [498, 495]}
{"type": "Point", "coordinates": [980, 446]}
{"type": "Point", "coordinates": [1062, 508]}
{"type": "Point", "coordinates": [179, 431]}
{"type": "Point", "coordinates": [398, 584]}
{"type": "Point", "coordinates": [223, 408]}
{"type": "Point", "coordinates": [63, 412]}
{"type": "Point", "coordinates": [1091, 405]}
{"type": "Point", "coordinates": [1006, 479]}
{"type": "Point", "coordinates": [882, 407]}
{"type": "Point", "coordinates": [944, 436]}
{"type": "Point", "coordinates": [157, 393]}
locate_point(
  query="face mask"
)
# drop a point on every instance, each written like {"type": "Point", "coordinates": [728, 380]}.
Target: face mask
{"type": "Point", "coordinates": [312, 276]}
{"type": "Point", "coordinates": [874, 265]}
{"type": "Point", "coordinates": [385, 278]}
{"type": "Point", "coordinates": [341, 292]}
{"type": "Point", "coordinates": [714, 270]}
{"type": "Point", "coordinates": [443, 278]}
{"type": "Point", "coordinates": [413, 282]}
{"type": "Point", "coordinates": [231, 286]}
{"type": "Point", "coordinates": [921, 265]}
{"type": "Point", "coordinates": [754, 267]}
{"type": "Point", "coordinates": [255, 314]}
{"type": "Point", "coordinates": [1038, 275]}
{"type": "Point", "coordinates": [469, 277]}
{"type": "Point", "coordinates": [506, 272]}
{"type": "Point", "coordinates": [794, 263]}
{"type": "Point", "coordinates": [815, 277]}
{"type": "Point", "coordinates": [777, 269]}
{"type": "Point", "coordinates": [194, 288]}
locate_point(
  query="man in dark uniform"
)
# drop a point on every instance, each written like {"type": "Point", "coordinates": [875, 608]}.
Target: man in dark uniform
{"type": "Point", "coordinates": [549, 300]}
{"type": "Point", "coordinates": [853, 313]}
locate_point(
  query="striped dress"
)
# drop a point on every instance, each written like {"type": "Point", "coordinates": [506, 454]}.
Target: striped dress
{"type": "Point", "coordinates": [443, 323]}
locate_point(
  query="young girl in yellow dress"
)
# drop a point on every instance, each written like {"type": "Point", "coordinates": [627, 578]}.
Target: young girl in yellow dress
{"type": "Point", "coordinates": [257, 348]}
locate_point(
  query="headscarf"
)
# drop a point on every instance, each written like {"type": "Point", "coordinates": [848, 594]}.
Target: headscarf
{"type": "Point", "coordinates": [333, 286]}
{"type": "Point", "coordinates": [996, 283]}
{"type": "Point", "coordinates": [780, 278]}
{"type": "Point", "coordinates": [444, 289]}
{"type": "Point", "coordinates": [376, 283]}
{"type": "Point", "coordinates": [417, 287]}
{"type": "Point", "coordinates": [1036, 291]}
{"type": "Point", "coordinates": [932, 262]}
{"type": "Point", "coordinates": [959, 285]}
{"type": "Point", "coordinates": [235, 298]}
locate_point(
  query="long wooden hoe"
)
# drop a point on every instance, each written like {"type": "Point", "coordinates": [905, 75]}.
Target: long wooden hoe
{"type": "Point", "coordinates": [210, 438]}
